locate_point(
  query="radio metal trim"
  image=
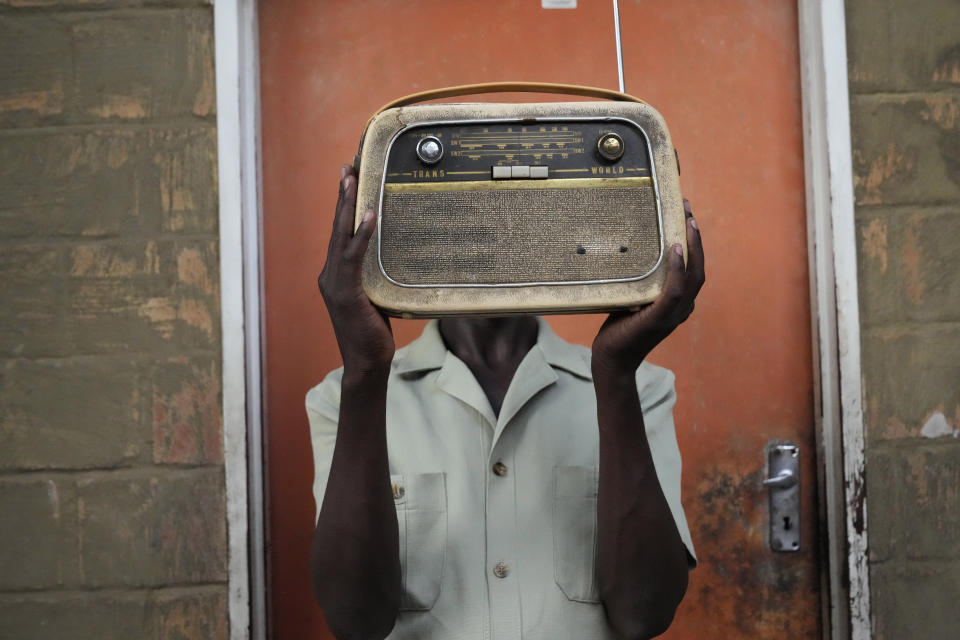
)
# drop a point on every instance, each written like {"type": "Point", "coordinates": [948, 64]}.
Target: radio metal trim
{"type": "Point", "coordinates": [498, 285]}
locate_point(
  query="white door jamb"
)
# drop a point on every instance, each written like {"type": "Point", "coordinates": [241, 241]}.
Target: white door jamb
{"type": "Point", "coordinates": [835, 318]}
{"type": "Point", "coordinates": [238, 159]}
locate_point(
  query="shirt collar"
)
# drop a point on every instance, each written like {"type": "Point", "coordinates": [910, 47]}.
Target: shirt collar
{"type": "Point", "coordinates": [428, 352]}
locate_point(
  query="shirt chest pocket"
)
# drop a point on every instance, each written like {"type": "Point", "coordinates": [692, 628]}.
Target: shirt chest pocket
{"type": "Point", "coordinates": [575, 532]}
{"type": "Point", "coordinates": [421, 502]}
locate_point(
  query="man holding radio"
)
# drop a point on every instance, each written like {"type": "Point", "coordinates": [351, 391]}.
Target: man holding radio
{"type": "Point", "coordinates": [491, 480]}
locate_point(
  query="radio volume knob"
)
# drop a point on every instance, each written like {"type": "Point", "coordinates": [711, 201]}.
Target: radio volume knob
{"type": "Point", "coordinates": [429, 150]}
{"type": "Point", "coordinates": [610, 146]}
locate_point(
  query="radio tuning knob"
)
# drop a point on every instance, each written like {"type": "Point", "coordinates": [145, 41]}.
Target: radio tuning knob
{"type": "Point", "coordinates": [610, 146]}
{"type": "Point", "coordinates": [429, 150]}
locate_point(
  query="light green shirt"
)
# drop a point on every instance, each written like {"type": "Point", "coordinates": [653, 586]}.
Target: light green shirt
{"type": "Point", "coordinates": [497, 514]}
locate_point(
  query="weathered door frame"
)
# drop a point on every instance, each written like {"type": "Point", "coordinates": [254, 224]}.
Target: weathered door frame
{"type": "Point", "coordinates": [833, 298]}
{"type": "Point", "coordinates": [241, 291]}
{"type": "Point", "coordinates": [831, 241]}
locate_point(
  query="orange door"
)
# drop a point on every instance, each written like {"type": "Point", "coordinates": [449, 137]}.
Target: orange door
{"type": "Point", "coordinates": [725, 75]}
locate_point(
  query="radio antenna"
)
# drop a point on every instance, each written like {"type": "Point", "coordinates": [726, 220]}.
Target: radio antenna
{"type": "Point", "coordinates": [616, 30]}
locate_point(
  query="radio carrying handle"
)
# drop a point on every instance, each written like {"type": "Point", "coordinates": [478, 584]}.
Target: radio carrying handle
{"type": "Point", "coordinates": [509, 87]}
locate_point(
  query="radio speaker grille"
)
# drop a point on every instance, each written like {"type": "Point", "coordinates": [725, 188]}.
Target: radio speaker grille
{"type": "Point", "coordinates": [507, 236]}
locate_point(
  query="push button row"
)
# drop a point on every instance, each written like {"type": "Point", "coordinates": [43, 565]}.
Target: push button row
{"type": "Point", "coordinates": [518, 173]}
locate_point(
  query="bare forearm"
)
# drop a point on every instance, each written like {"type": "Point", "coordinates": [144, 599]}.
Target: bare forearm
{"type": "Point", "coordinates": [355, 560]}
{"type": "Point", "coordinates": [642, 561]}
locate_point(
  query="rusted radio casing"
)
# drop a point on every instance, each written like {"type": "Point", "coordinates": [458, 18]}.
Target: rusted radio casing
{"type": "Point", "coordinates": [453, 213]}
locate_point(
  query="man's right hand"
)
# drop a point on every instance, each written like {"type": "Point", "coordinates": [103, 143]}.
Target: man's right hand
{"type": "Point", "coordinates": [363, 333]}
{"type": "Point", "coordinates": [355, 558]}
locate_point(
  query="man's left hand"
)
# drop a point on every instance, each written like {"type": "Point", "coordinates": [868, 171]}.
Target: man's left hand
{"type": "Point", "coordinates": [626, 338]}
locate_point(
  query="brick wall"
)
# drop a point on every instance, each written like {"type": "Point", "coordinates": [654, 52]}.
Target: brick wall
{"type": "Point", "coordinates": [904, 69]}
{"type": "Point", "coordinates": [112, 515]}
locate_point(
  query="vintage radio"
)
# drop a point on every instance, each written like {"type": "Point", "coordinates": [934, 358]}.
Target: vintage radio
{"type": "Point", "coordinates": [496, 209]}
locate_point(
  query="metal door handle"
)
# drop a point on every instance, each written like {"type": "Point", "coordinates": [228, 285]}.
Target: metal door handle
{"type": "Point", "coordinates": [783, 483]}
{"type": "Point", "coordinates": [786, 478]}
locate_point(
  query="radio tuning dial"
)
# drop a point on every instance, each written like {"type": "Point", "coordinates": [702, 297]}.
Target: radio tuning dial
{"type": "Point", "coordinates": [610, 147]}
{"type": "Point", "coordinates": [429, 150]}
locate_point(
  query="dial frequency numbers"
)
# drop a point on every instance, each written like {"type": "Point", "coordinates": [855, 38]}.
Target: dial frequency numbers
{"type": "Point", "coordinates": [540, 143]}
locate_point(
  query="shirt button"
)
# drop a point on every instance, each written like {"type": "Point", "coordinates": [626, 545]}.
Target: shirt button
{"type": "Point", "coordinates": [500, 469]}
{"type": "Point", "coordinates": [501, 570]}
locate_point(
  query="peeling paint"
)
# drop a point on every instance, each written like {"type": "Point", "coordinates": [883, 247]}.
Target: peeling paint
{"type": "Point", "coordinates": [859, 504]}
{"type": "Point", "coordinates": [897, 428]}
{"type": "Point", "coordinates": [948, 67]}
{"type": "Point", "coordinates": [945, 111]}
{"type": "Point", "coordinates": [205, 101]}
{"type": "Point", "coordinates": [163, 313]}
{"type": "Point", "coordinates": [196, 314]}
{"type": "Point", "coordinates": [187, 424]}
{"type": "Point", "coordinates": [118, 152]}
{"type": "Point", "coordinates": [917, 477]}
{"type": "Point", "coordinates": [192, 270]}
{"type": "Point", "coordinates": [861, 76]}
{"type": "Point", "coordinates": [124, 107]}
{"type": "Point", "coordinates": [910, 257]}
{"type": "Point", "coordinates": [875, 242]}
{"type": "Point", "coordinates": [882, 168]}
{"type": "Point", "coordinates": [110, 261]}
{"type": "Point", "coordinates": [751, 591]}
{"type": "Point", "coordinates": [947, 73]}
{"type": "Point", "coordinates": [45, 103]}
{"type": "Point", "coordinates": [174, 196]}
{"type": "Point", "coordinates": [160, 313]}
{"type": "Point", "coordinates": [937, 426]}
{"type": "Point", "coordinates": [83, 261]}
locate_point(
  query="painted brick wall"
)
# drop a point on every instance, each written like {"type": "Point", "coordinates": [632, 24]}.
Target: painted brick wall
{"type": "Point", "coordinates": [904, 66]}
{"type": "Point", "coordinates": [112, 516]}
